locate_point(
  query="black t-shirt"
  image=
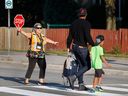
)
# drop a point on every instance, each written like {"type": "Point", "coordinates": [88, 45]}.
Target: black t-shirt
{"type": "Point", "coordinates": [79, 33]}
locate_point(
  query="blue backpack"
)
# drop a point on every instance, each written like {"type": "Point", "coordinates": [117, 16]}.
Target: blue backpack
{"type": "Point", "coordinates": [70, 65]}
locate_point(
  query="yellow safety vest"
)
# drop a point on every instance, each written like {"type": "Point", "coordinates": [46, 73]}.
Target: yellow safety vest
{"type": "Point", "coordinates": [35, 40]}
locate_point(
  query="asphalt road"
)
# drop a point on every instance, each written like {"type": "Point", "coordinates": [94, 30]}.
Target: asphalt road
{"type": "Point", "coordinates": [12, 76]}
{"type": "Point", "coordinates": [13, 68]}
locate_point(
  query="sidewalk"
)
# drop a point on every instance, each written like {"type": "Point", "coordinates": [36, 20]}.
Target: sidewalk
{"type": "Point", "coordinates": [119, 65]}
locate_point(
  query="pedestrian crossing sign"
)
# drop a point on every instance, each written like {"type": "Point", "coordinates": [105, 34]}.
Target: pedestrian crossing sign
{"type": "Point", "coordinates": [8, 4]}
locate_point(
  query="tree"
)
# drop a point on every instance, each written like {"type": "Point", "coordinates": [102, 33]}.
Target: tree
{"type": "Point", "coordinates": [32, 10]}
{"type": "Point", "coordinates": [110, 13]}
{"type": "Point", "coordinates": [59, 11]}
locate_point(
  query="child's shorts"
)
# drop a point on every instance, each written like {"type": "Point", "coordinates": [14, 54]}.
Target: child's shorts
{"type": "Point", "coordinates": [99, 72]}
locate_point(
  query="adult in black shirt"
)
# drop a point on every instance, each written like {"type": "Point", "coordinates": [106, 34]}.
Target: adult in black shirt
{"type": "Point", "coordinates": [79, 36]}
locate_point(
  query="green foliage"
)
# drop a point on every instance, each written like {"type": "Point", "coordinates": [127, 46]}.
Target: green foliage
{"type": "Point", "coordinates": [116, 50]}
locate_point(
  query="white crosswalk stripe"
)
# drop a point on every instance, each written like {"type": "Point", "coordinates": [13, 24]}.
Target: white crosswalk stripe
{"type": "Point", "coordinates": [114, 89]}
{"type": "Point", "coordinates": [123, 85]}
{"type": "Point", "coordinates": [25, 92]}
{"type": "Point", "coordinates": [75, 91]}
{"type": "Point", "coordinates": [110, 90]}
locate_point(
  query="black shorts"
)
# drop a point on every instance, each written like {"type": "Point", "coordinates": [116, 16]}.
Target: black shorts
{"type": "Point", "coordinates": [99, 72]}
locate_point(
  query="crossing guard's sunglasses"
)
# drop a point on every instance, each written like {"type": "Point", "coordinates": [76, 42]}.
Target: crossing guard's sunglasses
{"type": "Point", "coordinates": [38, 27]}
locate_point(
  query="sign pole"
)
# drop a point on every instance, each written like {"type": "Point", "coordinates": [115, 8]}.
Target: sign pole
{"type": "Point", "coordinates": [8, 31]}
{"type": "Point", "coordinates": [8, 5]}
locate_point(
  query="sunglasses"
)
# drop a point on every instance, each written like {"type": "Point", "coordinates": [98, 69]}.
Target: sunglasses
{"type": "Point", "coordinates": [38, 27]}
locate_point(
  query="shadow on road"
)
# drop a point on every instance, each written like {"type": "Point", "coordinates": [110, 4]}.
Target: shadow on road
{"type": "Point", "coordinates": [14, 79]}
{"type": "Point", "coordinates": [21, 81]}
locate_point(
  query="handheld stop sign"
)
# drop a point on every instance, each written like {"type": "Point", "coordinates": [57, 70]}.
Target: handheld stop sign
{"type": "Point", "coordinates": [19, 21]}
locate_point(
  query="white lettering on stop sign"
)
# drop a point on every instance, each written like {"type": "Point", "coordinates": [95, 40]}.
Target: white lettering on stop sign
{"type": "Point", "coordinates": [19, 20]}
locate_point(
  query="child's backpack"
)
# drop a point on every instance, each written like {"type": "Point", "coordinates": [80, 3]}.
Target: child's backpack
{"type": "Point", "coordinates": [70, 65]}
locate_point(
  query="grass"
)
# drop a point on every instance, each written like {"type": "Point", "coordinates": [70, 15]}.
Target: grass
{"type": "Point", "coordinates": [64, 53]}
{"type": "Point", "coordinates": [57, 52]}
{"type": "Point", "coordinates": [116, 55]}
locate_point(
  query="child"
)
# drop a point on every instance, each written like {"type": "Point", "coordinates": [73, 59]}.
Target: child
{"type": "Point", "coordinates": [97, 59]}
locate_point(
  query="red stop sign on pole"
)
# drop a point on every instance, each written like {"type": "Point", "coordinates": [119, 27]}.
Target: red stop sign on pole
{"type": "Point", "coordinates": [19, 20]}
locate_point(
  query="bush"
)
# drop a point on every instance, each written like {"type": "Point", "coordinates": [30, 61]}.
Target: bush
{"type": "Point", "coordinates": [116, 50]}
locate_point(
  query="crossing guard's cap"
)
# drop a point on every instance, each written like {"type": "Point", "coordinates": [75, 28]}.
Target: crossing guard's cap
{"type": "Point", "coordinates": [37, 25]}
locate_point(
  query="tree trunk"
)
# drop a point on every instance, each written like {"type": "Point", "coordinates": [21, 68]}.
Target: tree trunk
{"type": "Point", "coordinates": [110, 13]}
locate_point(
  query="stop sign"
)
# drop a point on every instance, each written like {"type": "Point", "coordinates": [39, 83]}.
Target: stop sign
{"type": "Point", "coordinates": [19, 20]}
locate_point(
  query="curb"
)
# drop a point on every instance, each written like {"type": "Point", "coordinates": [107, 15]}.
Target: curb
{"type": "Point", "coordinates": [110, 72]}
{"type": "Point", "coordinates": [58, 67]}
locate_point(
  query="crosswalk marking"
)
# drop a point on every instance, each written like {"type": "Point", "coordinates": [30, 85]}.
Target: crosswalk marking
{"type": "Point", "coordinates": [113, 88]}
{"type": "Point", "coordinates": [75, 91]}
{"type": "Point", "coordinates": [117, 84]}
{"type": "Point", "coordinates": [59, 89]}
{"type": "Point", "coordinates": [25, 92]}
{"type": "Point", "coordinates": [123, 85]}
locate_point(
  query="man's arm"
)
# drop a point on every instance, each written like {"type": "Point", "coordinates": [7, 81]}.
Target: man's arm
{"type": "Point", "coordinates": [69, 38]}
{"type": "Point", "coordinates": [88, 36]}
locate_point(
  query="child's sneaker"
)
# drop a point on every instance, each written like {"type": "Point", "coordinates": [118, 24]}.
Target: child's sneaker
{"type": "Point", "coordinates": [91, 90]}
{"type": "Point", "coordinates": [98, 88]}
